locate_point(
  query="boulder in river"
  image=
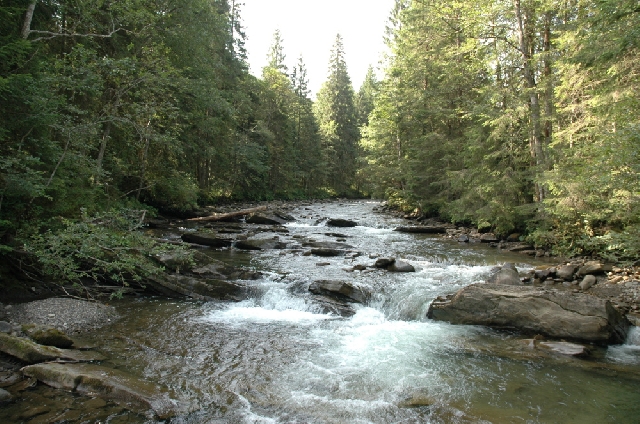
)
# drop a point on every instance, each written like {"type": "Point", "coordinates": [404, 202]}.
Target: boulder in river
{"type": "Point", "coordinates": [260, 244]}
{"type": "Point", "coordinates": [206, 239]}
{"type": "Point", "coordinates": [108, 383]}
{"type": "Point", "coordinates": [507, 274]}
{"type": "Point", "coordinates": [343, 290]}
{"type": "Point", "coordinates": [339, 222]}
{"type": "Point", "coordinates": [265, 219]}
{"type": "Point", "coordinates": [400, 266]}
{"type": "Point", "coordinates": [553, 313]}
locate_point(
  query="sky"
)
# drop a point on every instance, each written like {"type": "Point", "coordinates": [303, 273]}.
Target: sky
{"type": "Point", "coordinates": [309, 27]}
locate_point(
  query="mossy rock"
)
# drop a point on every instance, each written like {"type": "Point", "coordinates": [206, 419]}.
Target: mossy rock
{"type": "Point", "coordinates": [47, 336]}
{"type": "Point", "coordinates": [30, 352]}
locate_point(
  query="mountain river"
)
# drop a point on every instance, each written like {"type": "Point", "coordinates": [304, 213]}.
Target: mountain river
{"type": "Point", "coordinates": [277, 358]}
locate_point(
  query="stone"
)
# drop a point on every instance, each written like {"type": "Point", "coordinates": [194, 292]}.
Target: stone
{"type": "Point", "coordinates": [593, 267]}
{"type": "Point", "coordinates": [47, 336]}
{"type": "Point", "coordinates": [5, 327]}
{"type": "Point", "coordinates": [5, 396]}
{"type": "Point", "coordinates": [326, 252]}
{"type": "Point", "coordinates": [463, 238]}
{"type": "Point", "coordinates": [260, 244]}
{"type": "Point", "coordinates": [30, 352]}
{"type": "Point", "coordinates": [587, 282]}
{"type": "Point", "coordinates": [265, 219]}
{"type": "Point", "coordinates": [400, 266]}
{"type": "Point", "coordinates": [174, 261]}
{"type": "Point", "coordinates": [508, 275]}
{"type": "Point", "coordinates": [384, 263]}
{"type": "Point", "coordinates": [205, 239]}
{"type": "Point", "coordinates": [489, 238]}
{"type": "Point", "coordinates": [107, 383]}
{"type": "Point", "coordinates": [552, 313]}
{"type": "Point", "coordinates": [342, 290]}
{"type": "Point", "coordinates": [344, 223]}
{"type": "Point", "coordinates": [514, 237]}
{"type": "Point", "coordinates": [205, 288]}
{"type": "Point", "coordinates": [566, 272]}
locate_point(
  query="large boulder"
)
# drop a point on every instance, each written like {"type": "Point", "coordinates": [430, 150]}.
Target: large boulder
{"type": "Point", "coordinates": [553, 313]}
{"type": "Point", "coordinates": [342, 290]}
{"type": "Point", "coordinates": [111, 384]}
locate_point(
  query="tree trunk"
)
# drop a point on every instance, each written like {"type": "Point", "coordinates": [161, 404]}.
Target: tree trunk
{"type": "Point", "coordinates": [525, 33]}
{"type": "Point", "coordinates": [28, 17]}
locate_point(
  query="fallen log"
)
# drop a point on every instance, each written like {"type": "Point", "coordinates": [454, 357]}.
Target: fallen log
{"type": "Point", "coordinates": [223, 216]}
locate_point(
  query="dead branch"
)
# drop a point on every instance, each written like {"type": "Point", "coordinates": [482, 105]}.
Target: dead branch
{"type": "Point", "coordinates": [222, 216]}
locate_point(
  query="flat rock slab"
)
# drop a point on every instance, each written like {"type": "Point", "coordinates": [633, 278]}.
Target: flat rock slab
{"type": "Point", "coordinates": [31, 353]}
{"type": "Point", "coordinates": [94, 380]}
{"type": "Point", "coordinates": [553, 313]}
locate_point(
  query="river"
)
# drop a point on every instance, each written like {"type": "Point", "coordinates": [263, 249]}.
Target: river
{"type": "Point", "coordinates": [277, 358]}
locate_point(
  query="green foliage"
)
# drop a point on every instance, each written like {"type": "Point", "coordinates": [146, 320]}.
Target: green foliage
{"type": "Point", "coordinates": [105, 247]}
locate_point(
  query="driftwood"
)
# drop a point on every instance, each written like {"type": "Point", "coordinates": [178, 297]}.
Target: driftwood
{"type": "Point", "coordinates": [223, 216]}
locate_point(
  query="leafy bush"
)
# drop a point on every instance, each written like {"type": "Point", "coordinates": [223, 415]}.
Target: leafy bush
{"type": "Point", "coordinates": [104, 247]}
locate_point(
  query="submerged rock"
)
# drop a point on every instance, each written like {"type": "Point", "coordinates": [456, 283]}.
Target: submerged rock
{"type": "Point", "coordinates": [553, 313]}
{"type": "Point", "coordinates": [94, 380]}
{"type": "Point", "coordinates": [564, 348]}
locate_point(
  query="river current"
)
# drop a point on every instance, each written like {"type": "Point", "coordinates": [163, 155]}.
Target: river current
{"type": "Point", "coordinates": [277, 358]}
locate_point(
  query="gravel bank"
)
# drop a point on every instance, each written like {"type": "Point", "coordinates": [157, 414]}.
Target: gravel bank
{"type": "Point", "coordinates": [68, 315]}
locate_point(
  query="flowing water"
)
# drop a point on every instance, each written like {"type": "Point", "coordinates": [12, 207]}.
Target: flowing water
{"type": "Point", "coordinates": [277, 358]}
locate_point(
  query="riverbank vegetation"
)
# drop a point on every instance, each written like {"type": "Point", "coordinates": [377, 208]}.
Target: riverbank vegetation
{"type": "Point", "coordinates": [520, 116]}
{"type": "Point", "coordinates": [517, 116]}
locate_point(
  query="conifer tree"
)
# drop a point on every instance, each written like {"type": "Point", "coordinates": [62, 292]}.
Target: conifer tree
{"type": "Point", "coordinates": [336, 114]}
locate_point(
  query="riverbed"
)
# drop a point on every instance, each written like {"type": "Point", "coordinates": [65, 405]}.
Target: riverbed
{"type": "Point", "coordinates": [278, 357]}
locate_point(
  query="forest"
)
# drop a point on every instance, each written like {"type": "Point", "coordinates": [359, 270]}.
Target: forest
{"type": "Point", "coordinates": [516, 116]}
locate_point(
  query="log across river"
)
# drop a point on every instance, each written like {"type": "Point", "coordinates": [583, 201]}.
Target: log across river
{"type": "Point", "coordinates": [278, 357]}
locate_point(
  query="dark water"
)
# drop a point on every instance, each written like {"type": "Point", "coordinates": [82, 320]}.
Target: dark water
{"type": "Point", "coordinates": [276, 358]}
